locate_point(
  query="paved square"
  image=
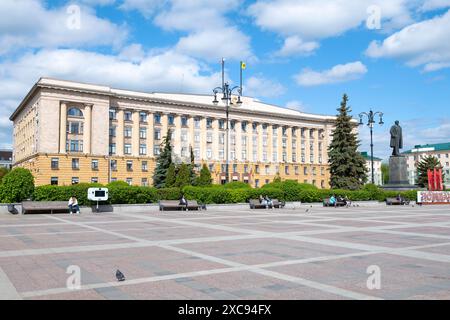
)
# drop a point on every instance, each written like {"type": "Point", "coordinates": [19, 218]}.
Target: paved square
{"type": "Point", "coordinates": [225, 253]}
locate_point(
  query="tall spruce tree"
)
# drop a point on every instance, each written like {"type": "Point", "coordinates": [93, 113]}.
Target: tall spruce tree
{"type": "Point", "coordinates": [192, 174]}
{"type": "Point", "coordinates": [163, 162]}
{"type": "Point", "coordinates": [205, 176]}
{"type": "Point", "coordinates": [347, 166]}
{"type": "Point", "coordinates": [429, 162]}
{"type": "Point", "coordinates": [171, 176]}
{"type": "Point", "coordinates": [183, 176]}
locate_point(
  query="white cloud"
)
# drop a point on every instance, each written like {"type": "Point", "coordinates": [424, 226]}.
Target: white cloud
{"type": "Point", "coordinates": [260, 87]}
{"type": "Point", "coordinates": [195, 15]}
{"type": "Point", "coordinates": [296, 105]}
{"type": "Point", "coordinates": [167, 71]}
{"type": "Point", "coordinates": [133, 52]}
{"type": "Point", "coordinates": [421, 44]}
{"type": "Point", "coordinates": [293, 45]}
{"type": "Point", "coordinates": [303, 23]}
{"type": "Point", "coordinates": [311, 19]}
{"type": "Point", "coordinates": [338, 73]}
{"type": "Point", "coordinates": [430, 5]}
{"type": "Point", "coordinates": [210, 34]}
{"type": "Point", "coordinates": [415, 132]}
{"type": "Point", "coordinates": [98, 2]}
{"type": "Point", "coordinates": [212, 45]}
{"type": "Point", "coordinates": [146, 7]}
{"type": "Point", "coordinates": [28, 24]}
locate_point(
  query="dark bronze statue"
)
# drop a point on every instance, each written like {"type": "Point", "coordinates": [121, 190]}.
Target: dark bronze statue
{"type": "Point", "coordinates": [396, 139]}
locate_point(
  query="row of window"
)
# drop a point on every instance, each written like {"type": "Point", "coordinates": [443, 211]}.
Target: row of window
{"type": "Point", "coordinates": [76, 180]}
{"type": "Point", "coordinates": [95, 165]}
{"type": "Point", "coordinates": [143, 116]}
{"type": "Point", "coordinates": [145, 181]}
{"type": "Point", "coordinates": [127, 150]}
{"type": "Point", "coordinates": [144, 167]}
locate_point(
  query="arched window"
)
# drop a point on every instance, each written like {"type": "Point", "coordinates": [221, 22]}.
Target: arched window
{"type": "Point", "coordinates": [74, 112]}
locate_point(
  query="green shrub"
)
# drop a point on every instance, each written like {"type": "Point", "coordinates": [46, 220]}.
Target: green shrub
{"type": "Point", "coordinates": [172, 193]}
{"type": "Point", "coordinates": [117, 183]}
{"type": "Point", "coordinates": [3, 172]}
{"type": "Point", "coordinates": [18, 185]}
{"type": "Point", "coordinates": [63, 193]}
{"type": "Point", "coordinates": [237, 185]}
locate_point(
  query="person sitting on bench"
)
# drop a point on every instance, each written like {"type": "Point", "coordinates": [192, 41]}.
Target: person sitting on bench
{"type": "Point", "coordinates": [268, 201]}
{"type": "Point", "coordinates": [347, 201]}
{"type": "Point", "coordinates": [73, 205]}
{"type": "Point", "coordinates": [333, 200]}
{"type": "Point", "coordinates": [183, 202]}
{"type": "Point", "coordinates": [262, 200]}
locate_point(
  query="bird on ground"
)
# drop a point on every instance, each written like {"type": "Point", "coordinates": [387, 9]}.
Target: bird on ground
{"type": "Point", "coordinates": [120, 276]}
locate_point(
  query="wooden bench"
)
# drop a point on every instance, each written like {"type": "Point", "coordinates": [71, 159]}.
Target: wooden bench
{"type": "Point", "coordinates": [326, 203]}
{"type": "Point", "coordinates": [278, 204]}
{"type": "Point", "coordinates": [174, 205]}
{"type": "Point", "coordinates": [45, 207]}
{"type": "Point", "coordinates": [255, 204]}
{"type": "Point", "coordinates": [395, 201]}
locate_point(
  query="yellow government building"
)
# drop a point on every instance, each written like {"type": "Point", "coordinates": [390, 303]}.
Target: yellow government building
{"type": "Point", "coordinates": [69, 132]}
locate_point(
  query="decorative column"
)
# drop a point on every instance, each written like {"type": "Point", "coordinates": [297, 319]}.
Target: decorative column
{"type": "Point", "coordinates": [87, 128]}
{"type": "Point", "coordinates": [280, 147]}
{"type": "Point", "coordinates": [135, 133]}
{"type": "Point", "coordinates": [260, 142]}
{"type": "Point", "coordinates": [203, 144]}
{"type": "Point", "coordinates": [119, 133]}
{"type": "Point", "coordinates": [269, 143]}
{"type": "Point", "coordinates": [191, 142]}
{"type": "Point", "coordinates": [289, 145]}
{"type": "Point", "coordinates": [150, 128]}
{"type": "Point", "coordinates": [177, 132]}
{"type": "Point", "coordinates": [63, 127]}
{"type": "Point", "coordinates": [238, 139]}
{"type": "Point", "coordinates": [215, 140]}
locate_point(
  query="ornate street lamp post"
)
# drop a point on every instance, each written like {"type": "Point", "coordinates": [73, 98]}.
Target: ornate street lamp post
{"type": "Point", "coordinates": [370, 123]}
{"type": "Point", "coordinates": [227, 92]}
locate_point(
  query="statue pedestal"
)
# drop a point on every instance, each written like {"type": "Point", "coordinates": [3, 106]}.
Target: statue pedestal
{"type": "Point", "coordinates": [398, 174]}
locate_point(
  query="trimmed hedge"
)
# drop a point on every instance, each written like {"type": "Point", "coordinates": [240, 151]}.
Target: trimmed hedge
{"type": "Point", "coordinates": [121, 192]}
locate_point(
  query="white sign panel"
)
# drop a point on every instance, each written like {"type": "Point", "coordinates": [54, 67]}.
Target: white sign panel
{"type": "Point", "coordinates": [98, 194]}
{"type": "Point", "coordinates": [433, 197]}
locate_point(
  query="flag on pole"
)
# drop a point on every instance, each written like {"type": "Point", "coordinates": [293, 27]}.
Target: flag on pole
{"type": "Point", "coordinates": [243, 65]}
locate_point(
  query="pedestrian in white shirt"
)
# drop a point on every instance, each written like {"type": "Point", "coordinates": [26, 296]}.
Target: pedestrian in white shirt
{"type": "Point", "coordinates": [73, 205]}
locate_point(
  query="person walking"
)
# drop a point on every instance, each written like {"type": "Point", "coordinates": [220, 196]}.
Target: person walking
{"type": "Point", "coordinates": [73, 205]}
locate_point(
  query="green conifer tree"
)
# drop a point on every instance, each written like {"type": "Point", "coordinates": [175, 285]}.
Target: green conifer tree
{"type": "Point", "coordinates": [205, 176]}
{"type": "Point", "coordinates": [192, 174]}
{"type": "Point", "coordinates": [183, 176]}
{"type": "Point", "coordinates": [163, 162]}
{"type": "Point", "coordinates": [171, 176]}
{"type": "Point", "coordinates": [347, 165]}
{"type": "Point", "coordinates": [429, 162]}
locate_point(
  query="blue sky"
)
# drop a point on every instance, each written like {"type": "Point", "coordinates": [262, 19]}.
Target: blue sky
{"type": "Point", "coordinates": [392, 56]}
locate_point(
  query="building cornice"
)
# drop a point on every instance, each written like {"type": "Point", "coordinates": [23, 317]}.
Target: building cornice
{"type": "Point", "coordinates": [139, 97]}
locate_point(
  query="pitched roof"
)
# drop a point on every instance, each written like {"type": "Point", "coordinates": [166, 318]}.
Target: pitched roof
{"type": "Point", "coordinates": [429, 147]}
{"type": "Point", "coordinates": [367, 157]}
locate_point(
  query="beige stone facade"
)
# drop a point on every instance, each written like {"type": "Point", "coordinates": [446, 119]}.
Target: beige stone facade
{"type": "Point", "coordinates": [69, 132]}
